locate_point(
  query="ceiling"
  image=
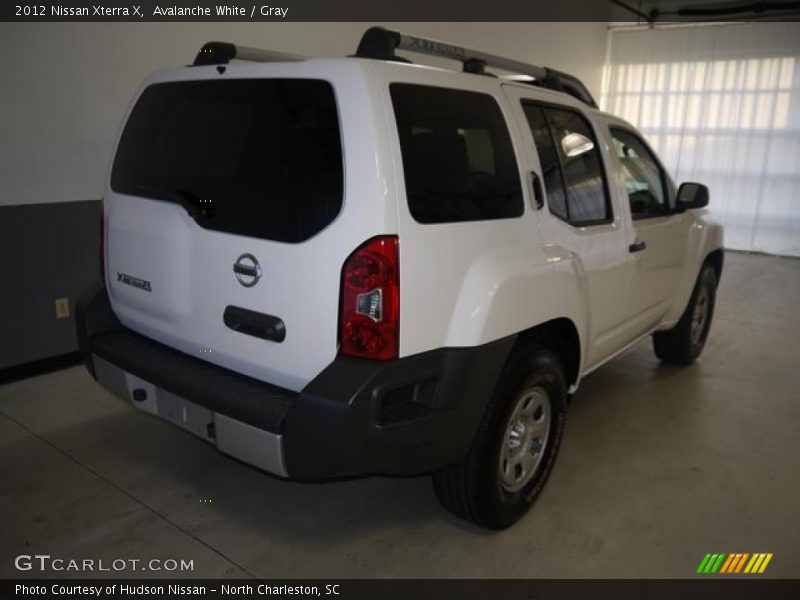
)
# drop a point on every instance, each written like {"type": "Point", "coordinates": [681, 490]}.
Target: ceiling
{"type": "Point", "coordinates": [683, 11]}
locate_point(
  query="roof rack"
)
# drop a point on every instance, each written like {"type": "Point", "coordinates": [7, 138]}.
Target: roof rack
{"type": "Point", "coordinates": [221, 53]}
{"type": "Point", "coordinates": [380, 43]}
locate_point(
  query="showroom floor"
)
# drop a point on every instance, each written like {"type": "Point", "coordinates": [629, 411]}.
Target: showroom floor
{"type": "Point", "coordinates": [658, 467]}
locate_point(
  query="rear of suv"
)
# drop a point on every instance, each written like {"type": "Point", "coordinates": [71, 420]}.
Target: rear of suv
{"type": "Point", "coordinates": [356, 266]}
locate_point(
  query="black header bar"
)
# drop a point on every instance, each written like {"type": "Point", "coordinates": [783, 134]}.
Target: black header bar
{"type": "Point", "coordinates": [641, 12]}
{"type": "Point", "coordinates": [306, 10]}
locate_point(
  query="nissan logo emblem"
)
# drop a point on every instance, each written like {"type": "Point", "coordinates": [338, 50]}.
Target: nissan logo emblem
{"type": "Point", "coordinates": [247, 270]}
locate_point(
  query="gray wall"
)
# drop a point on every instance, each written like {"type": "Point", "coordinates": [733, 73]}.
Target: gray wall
{"type": "Point", "coordinates": [47, 251]}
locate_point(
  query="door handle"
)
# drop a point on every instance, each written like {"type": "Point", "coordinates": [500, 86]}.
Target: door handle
{"type": "Point", "coordinates": [254, 323]}
{"type": "Point", "coordinates": [538, 195]}
{"type": "Point", "coordinates": [637, 246]}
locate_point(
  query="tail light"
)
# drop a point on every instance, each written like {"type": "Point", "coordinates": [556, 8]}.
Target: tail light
{"type": "Point", "coordinates": [102, 248]}
{"type": "Point", "coordinates": [369, 325]}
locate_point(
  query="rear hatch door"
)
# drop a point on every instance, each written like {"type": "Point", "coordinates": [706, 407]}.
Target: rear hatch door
{"type": "Point", "coordinates": [219, 192]}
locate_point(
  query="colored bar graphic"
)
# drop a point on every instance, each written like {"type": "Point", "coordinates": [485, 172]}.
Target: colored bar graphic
{"type": "Point", "coordinates": [703, 563]}
{"type": "Point", "coordinates": [710, 564]}
{"type": "Point", "coordinates": [726, 565]}
{"type": "Point", "coordinates": [764, 564]}
{"type": "Point", "coordinates": [754, 561]}
{"type": "Point", "coordinates": [730, 565]}
{"type": "Point", "coordinates": [734, 563]}
{"type": "Point", "coordinates": [718, 562]}
{"type": "Point", "coordinates": [741, 562]}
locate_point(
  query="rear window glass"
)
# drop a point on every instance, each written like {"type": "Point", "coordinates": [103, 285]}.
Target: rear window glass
{"type": "Point", "coordinates": [255, 157]}
{"type": "Point", "coordinates": [458, 160]}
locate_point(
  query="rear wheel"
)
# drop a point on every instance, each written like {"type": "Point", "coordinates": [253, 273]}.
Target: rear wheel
{"type": "Point", "coordinates": [682, 344]}
{"type": "Point", "coordinates": [515, 447]}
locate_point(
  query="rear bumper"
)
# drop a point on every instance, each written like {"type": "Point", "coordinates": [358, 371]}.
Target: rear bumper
{"type": "Point", "coordinates": [357, 417]}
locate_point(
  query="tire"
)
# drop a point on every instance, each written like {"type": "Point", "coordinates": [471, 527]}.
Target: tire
{"type": "Point", "coordinates": [491, 487]}
{"type": "Point", "coordinates": [682, 344]}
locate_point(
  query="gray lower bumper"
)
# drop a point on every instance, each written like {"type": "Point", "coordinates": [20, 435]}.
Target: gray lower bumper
{"type": "Point", "coordinates": [249, 444]}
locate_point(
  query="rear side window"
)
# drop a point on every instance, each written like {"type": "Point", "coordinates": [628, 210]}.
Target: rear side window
{"type": "Point", "coordinates": [458, 160]}
{"type": "Point", "coordinates": [254, 157]}
{"type": "Point", "coordinates": [570, 158]}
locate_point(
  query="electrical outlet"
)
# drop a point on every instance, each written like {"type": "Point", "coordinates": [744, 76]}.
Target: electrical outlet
{"type": "Point", "coordinates": [62, 308]}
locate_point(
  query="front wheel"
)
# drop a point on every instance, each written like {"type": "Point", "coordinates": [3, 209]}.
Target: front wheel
{"type": "Point", "coordinates": [682, 344]}
{"type": "Point", "coordinates": [515, 446]}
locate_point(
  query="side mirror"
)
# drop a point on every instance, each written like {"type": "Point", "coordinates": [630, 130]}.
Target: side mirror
{"type": "Point", "coordinates": [692, 195]}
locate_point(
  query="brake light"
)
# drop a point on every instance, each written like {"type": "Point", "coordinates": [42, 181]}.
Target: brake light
{"type": "Point", "coordinates": [369, 325]}
{"type": "Point", "coordinates": [102, 248]}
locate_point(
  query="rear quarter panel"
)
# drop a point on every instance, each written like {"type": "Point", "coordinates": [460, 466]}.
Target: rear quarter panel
{"type": "Point", "coordinates": [469, 283]}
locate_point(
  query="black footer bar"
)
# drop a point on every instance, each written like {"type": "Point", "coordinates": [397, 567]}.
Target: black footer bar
{"type": "Point", "coordinates": [406, 589]}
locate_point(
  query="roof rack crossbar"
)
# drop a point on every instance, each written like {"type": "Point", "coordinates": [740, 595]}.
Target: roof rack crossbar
{"type": "Point", "coordinates": [221, 53]}
{"type": "Point", "coordinates": [380, 43]}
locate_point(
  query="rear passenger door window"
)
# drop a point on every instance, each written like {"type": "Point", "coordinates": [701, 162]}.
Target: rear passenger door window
{"type": "Point", "coordinates": [458, 160]}
{"type": "Point", "coordinates": [645, 182]}
{"type": "Point", "coordinates": [577, 191]}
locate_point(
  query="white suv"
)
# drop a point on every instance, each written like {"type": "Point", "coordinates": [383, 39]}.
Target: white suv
{"type": "Point", "coordinates": [355, 266]}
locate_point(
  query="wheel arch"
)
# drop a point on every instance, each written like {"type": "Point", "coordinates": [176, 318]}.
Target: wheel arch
{"type": "Point", "coordinates": [559, 335]}
{"type": "Point", "coordinates": [716, 258]}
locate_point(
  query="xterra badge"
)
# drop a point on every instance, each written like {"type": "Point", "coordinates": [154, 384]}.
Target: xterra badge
{"type": "Point", "coordinates": [142, 284]}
